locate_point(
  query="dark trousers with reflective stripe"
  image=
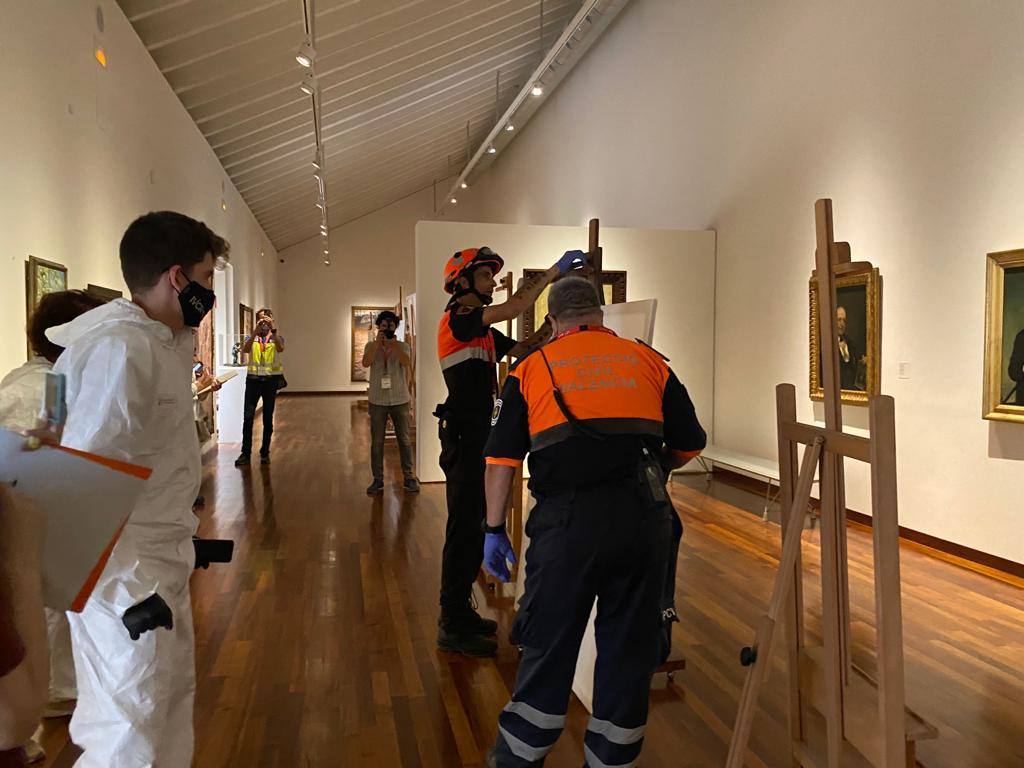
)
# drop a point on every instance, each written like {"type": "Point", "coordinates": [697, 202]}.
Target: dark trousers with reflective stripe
{"type": "Point", "coordinates": [462, 459]}
{"type": "Point", "coordinates": [601, 542]}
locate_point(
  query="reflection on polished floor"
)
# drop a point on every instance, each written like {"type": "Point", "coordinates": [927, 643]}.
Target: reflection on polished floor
{"type": "Point", "coordinates": [316, 645]}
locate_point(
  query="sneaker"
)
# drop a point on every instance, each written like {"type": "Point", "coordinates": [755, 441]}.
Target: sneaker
{"type": "Point", "coordinates": [242, 460]}
{"type": "Point", "coordinates": [466, 643]}
{"type": "Point", "coordinates": [375, 487]}
{"type": "Point", "coordinates": [411, 485]}
{"type": "Point", "coordinates": [264, 458]}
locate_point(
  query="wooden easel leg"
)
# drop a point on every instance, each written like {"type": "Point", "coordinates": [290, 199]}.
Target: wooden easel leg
{"type": "Point", "coordinates": [758, 658]}
{"type": "Point", "coordinates": [830, 614]}
{"type": "Point", "coordinates": [888, 607]}
{"type": "Point", "coordinates": [792, 515]}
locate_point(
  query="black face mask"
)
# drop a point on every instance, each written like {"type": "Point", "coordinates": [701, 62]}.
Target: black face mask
{"type": "Point", "coordinates": [389, 333]}
{"type": "Point", "coordinates": [196, 301]}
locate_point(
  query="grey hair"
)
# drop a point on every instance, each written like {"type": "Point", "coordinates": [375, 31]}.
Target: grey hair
{"type": "Point", "coordinates": [573, 297]}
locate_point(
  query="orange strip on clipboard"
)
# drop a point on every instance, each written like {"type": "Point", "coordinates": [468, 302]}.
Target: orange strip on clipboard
{"type": "Point", "coordinates": [78, 604]}
{"type": "Point", "coordinates": [134, 470]}
{"type": "Point", "coordinates": [143, 473]}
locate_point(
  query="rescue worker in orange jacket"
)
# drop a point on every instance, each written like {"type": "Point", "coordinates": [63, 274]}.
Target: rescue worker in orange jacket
{"type": "Point", "coordinates": [603, 419]}
{"type": "Point", "coordinates": [469, 348]}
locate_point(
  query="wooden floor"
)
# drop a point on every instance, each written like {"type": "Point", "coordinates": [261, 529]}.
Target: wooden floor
{"type": "Point", "coordinates": [316, 645]}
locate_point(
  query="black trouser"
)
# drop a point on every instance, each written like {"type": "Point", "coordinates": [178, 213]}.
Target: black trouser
{"type": "Point", "coordinates": [462, 459]}
{"type": "Point", "coordinates": [605, 542]}
{"type": "Point", "coordinates": [257, 387]}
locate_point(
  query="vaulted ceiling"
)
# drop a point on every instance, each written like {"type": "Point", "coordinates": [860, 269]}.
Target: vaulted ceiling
{"type": "Point", "coordinates": [400, 82]}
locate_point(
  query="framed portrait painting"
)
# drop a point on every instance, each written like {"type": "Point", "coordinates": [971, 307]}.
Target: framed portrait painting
{"type": "Point", "coordinates": [613, 285]}
{"type": "Point", "coordinates": [363, 332]}
{"type": "Point", "coordinates": [858, 325]}
{"type": "Point", "coordinates": [1004, 337]}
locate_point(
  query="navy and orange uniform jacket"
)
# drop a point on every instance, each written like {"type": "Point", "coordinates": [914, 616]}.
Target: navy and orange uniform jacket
{"type": "Point", "coordinates": [619, 388]}
{"type": "Point", "coordinates": [468, 351]}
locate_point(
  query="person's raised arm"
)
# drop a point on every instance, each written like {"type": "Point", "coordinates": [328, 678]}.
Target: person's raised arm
{"type": "Point", "coordinates": [370, 352]}
{"type": "Point", "coordinates": [531, 289]}
{"type": "Point", "coordinates": [247, 343]}
{"type": "Point", "coordinates": [278, 340]}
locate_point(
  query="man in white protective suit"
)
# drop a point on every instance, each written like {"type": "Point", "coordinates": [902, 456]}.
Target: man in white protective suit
{"type": "Point", "coordinates": [128, 367]}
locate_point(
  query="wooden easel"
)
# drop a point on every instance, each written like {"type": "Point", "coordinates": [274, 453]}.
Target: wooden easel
{"type": "Point", "coordinates": [866, 722]}
{"type": "Point", "coordinates": [514, 517]}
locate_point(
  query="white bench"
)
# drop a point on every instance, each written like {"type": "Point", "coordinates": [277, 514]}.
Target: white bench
{"type": "Point", "coordinates": [765, 470]}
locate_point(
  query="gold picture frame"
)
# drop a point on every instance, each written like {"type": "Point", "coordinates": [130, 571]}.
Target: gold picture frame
{"type": "Point", "coordinates": [41, 277]}
{"type": "Point", "coordinates": [1004, 302]}
{"type": "Point", "coordinates": [613, 283]}
{"type": "Point", "coordinates": [863, 291]}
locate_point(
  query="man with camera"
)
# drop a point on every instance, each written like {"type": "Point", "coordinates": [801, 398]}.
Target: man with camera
{"type": "Point", "coordinates": [264, 379]}
{"type": "Point", "coordinates": [390, 367]}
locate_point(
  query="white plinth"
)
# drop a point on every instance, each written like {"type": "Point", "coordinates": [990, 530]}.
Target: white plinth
{"type": "Point", "coordinates": [231, 405]}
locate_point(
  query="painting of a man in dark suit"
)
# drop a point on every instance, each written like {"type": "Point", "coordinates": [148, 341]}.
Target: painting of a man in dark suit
{"type": "Point", "coordinates": [1015, 370]}
{"type": "Point", "coordinates": [851, 359]}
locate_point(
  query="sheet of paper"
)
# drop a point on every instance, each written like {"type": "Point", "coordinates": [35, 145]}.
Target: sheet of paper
{"type": "Point", "coordinates": [86, 501]}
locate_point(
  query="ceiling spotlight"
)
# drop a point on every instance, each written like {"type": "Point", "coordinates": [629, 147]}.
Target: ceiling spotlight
{"type": "Point", "coordinates": [319, 205]}
{"type": "Point", "coordinates": [464, 185]}
{"type": "Point", "coordinates": [453, 201]}
{"type": "Point", "coordinates": [537, 90]}
{"type": "Point", "coordinates": [326, 252]}
{"type": "Point", "coordinates": [491, 150]}
{"type": "Point", "coordinates": [327, 262]}
{"type": "Point", "coordinates": [316, 165]}
{"type": "Point", "coordinates": [308, 84]}
{"type": "Point", "coordinates": [510, 127]}
{"type": "Point", "coordinates": [306, 54]}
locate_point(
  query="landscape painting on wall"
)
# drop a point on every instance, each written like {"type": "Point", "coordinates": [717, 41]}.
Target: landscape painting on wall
{"type": "Point", "coordinates": [42, 277]}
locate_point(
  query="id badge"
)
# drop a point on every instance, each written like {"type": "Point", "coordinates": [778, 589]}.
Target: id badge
{"type": "Point", "coordinates": [385, 382]}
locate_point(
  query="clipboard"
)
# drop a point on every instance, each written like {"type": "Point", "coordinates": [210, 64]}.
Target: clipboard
{"type": "Point", "coordinates": [86, 499]}
{"type": "Point", "coordinates": [224, 377]}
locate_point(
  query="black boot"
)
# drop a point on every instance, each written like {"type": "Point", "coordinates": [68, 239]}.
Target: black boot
{"type": "Point", "coordinates": [466, 643]}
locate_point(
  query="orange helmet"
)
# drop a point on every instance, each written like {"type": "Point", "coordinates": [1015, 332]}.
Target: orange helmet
{"type": "Point", "coordinates": [466, 261]}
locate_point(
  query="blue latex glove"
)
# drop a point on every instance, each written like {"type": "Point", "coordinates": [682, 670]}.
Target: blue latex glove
{"type": "Point", "coordinates": [498, 550]}
{"type": "Point", "coordinates": [571, 260]}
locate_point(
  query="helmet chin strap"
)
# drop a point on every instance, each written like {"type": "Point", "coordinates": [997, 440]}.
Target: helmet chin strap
{"type": "Point", "coordinates": [484, 298]}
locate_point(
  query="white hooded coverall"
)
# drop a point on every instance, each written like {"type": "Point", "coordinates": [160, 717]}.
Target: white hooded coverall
{"type": "Point", "coordinates": [128, 398]}
{"type": "Point", "coordinates": [21, 399]}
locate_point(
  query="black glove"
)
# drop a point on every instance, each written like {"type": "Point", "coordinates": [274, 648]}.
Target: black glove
{"type": "Point", "coordinates": [212, 551]}
{"type": "Point", "coordinates": [151, 613]}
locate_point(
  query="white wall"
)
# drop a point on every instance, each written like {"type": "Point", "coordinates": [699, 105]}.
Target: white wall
{"type": "Point", "coordinates": [736, 116]}
{"type": "Point", "coordinates": [85, 150]}
{"type": "Point", "coordinates": [371, 258]}
{"type": "Point", "coordinates": [675, 267]}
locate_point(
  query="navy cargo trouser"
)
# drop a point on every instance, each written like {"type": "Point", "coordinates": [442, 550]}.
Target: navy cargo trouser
{"type": "Point", "coordinates": [606, 542]}
{"type": "Point", "coordinates": [462, 460]}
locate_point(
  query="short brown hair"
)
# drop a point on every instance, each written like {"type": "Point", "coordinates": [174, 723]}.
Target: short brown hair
{"type": "Point", "coordinates": [573, 297]}
{"type": "Point", "coordinates": [56, 309]}
{"type": "Point", "coordinates": [154, 243]}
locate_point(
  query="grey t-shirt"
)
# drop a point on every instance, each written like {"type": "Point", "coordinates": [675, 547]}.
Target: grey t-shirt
{"type": "Point", "coordinates": [387, 370]}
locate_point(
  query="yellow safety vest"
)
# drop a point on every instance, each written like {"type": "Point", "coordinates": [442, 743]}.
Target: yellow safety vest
{"type": "Point", "coordinates": [263, 359]}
